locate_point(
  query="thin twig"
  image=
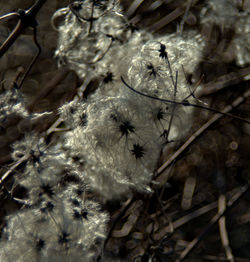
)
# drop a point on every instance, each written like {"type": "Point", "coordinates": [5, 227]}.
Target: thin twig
{"type": "Point", "coordinates": [10, 170]}
{"type": "Point", "coordinates": [103, 54]}
{"type": "Point", "coordinates": [91, 19]}
{"type": "Point", "coordinates": [192, 92]}
{"type": "Point", "coordinates": [216, 117]}
{"type": "Point", "coordinates": [174, 107]}
{"type": "Point", "coordinates": [7, 16]}
{"type": "Point", "coordinates": [167, 216]}
{"type": "Point", "coordinates": [133, 215]}
{"type": "Point", "coordinates": [27, 18]}
{"type": "Point", "coordinates": [117, 217]}
{"type": "Point", "coordinates": [186, 103]}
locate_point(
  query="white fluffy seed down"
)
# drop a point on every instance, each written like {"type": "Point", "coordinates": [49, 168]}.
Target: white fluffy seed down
{"type": "Point", "coordinates": [118, 134]}
{"type": "Point", "coordinates": [115, 137]}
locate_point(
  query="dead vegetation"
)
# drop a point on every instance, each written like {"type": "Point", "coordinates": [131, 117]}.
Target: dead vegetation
{"type": "Point", "coordinates": [199, 210]}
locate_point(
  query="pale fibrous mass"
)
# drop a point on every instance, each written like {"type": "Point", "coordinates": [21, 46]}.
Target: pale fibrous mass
{"type": "Point", "coordinates": [112, 137]}
{"type": "Point", "coordinates": [123, 132]}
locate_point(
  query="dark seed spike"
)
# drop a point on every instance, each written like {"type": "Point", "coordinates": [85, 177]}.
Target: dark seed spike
{"type": "Point", "coordinates": [72, 110]}
{"type": "Point", "coordinates": [83, 119]}
{"type": "Point", "coordinates": [138, 151]}
{"type": "Point", "coordinates": [77, 6]}
{"type": "Point", "coordinates": [84, 214]}
{"type": "Point", "coordinates": [162, 51]}
{"type": "Point", "coordinates": [48, 207]}
{"type": "Point", "coordinates": [160, 114]}
{"type": "Point", "coordinates": [35, 158]}
{"type": "Point", "coordinates": [76, 214]}
{"type": "Point", "coordinates": [108, 78]}
{"type": "Point", "coordinates": [40, 243]}
{"type": "Point", "coordinates": [47, 189]}
{"type": "Point", "coordinates": [75, 202]}
{"type": "Point", "coordinates": [151, 69]}
{"type": "Point", "coordinates": [126, 127]}
{"type": "Point", "coordinates": [164, 134]}
{"type": "Point", "coordinates": [68, 177]}
{"type": "Point", "coordinates": [114, 117]}
{"type": "Point", "coordinates": [63, 238]}
{"type": "Point", "coordinates": [79, 191]}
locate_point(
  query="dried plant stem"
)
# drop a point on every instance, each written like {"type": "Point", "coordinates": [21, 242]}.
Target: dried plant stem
{"type": "Point", "coordinates": [10, 170]}
{"type": "Point", "coordinates": [185, 15]}
{"type": "Point", "coordinates": [138, 17]}
{"type": "Point", "coordinates": [186, 103]}
{"type": "Point", "coordinates": [172, 16]}
{"type": "Point", "coordinates": [222, 203]}
{"type": "Point", "coordinates": [167, 19]}
{"type": "Point", "coordinates": [212, 120]}
{"type": "Point", "coordinates": [133, 7]}
{"type": "Point", "coordinates": [28, 19]}
{"type": "Point", "coordinates": [8, 16]}
{"type": "Point", "coordinates": [212, 222]}
{"type": "Point", "coordinates": [183, 220]}
{"type": "Point", "coordinates": [134, 213]}
{"type": "Point", "coordinates": [223, 81]}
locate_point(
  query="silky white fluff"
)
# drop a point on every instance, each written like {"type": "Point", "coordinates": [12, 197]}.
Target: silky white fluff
{"type": "Point", "coordinates": [32, 236]}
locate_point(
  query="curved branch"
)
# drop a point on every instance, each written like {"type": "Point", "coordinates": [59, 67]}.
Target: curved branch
{"type": "Point", "coordinates": [27, 18]}
{"type": "Point", "coordinates": [186, 103]}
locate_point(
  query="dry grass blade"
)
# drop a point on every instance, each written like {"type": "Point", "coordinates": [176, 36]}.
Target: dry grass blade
{"type": "Point", "coordinates": [188, 192]}
{"type": "Point", "coordinates": [167, 19]}
{"type": "Point", "coordinates": [10, 170]}
{"type": "Point", "coordinates": [189, 4]}
{"type": "Point", "coordinates": [181, 10]}
{"type": "Point", "coordinates": [133, 7]}
{"type": "Point", "coordinates": [212, 222]}
{"type": "Point", "coordinates": [183, 220]}
{"type": "Point", "coordinates": [134, 213]}
{"type": "Point", "coordinates": [223, 230]}
{"type": "Point", "coordinates": [150, 9]}
{"type": "Point", "coordinates": [223, 81]}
